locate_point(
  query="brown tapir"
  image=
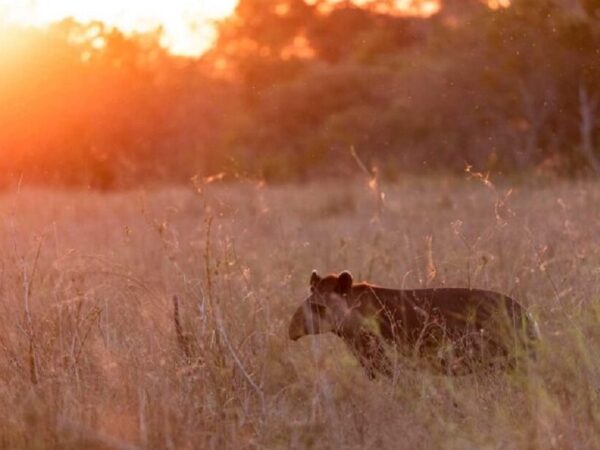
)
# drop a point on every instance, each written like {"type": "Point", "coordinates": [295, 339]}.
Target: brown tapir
{"type": "Point", "coordinates": [452, 330]}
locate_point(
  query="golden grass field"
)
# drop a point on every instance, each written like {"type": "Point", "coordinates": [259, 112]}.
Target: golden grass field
{"type": "Point", "coordinates": [89, 355]}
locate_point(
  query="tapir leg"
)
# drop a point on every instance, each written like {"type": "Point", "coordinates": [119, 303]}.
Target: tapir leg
{"type": "Point", "coordinates": [370, 352]}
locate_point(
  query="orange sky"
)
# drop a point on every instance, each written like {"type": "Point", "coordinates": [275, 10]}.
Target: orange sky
{"type": "Point", "coordinates": [186, 23]}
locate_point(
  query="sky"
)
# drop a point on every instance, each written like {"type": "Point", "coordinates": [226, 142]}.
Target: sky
{"type": "Point", "coordinates": [186, 23]}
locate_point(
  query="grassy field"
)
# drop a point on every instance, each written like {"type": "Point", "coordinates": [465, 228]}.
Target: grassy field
{"type": "Point", "coordinates": [88, 349]}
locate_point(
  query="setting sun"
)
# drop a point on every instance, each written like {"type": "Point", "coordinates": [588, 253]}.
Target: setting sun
{"type": "Point", "coordinates": [186, 24]}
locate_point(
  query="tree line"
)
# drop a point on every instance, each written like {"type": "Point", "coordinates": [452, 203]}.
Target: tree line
{"type": "Point", "coordinates": [291, 90]}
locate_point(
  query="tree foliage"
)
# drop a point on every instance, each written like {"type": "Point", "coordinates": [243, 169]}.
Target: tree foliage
{"type": "Point", "coordinates": [291, 86]}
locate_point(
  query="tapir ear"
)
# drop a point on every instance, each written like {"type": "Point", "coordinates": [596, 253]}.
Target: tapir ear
{"type": "Point", "coordinates": [344, 285]}
{"type": "Point", "coordinates": [314, 278]}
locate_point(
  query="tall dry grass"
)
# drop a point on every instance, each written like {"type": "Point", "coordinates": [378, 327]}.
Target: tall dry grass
{"type": "Point", "coordinates": [89, 357]}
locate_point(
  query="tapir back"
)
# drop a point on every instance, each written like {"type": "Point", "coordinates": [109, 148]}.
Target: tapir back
{"type": "Point", "coordinates": [429, 317]}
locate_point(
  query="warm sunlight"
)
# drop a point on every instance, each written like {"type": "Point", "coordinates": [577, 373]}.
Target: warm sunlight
{"type": "Point", "coordinates": [186, 23]}
{"type": "Point", "coordinates": [397, 7]}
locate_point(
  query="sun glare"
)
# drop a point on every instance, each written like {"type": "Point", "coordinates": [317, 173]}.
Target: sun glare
{"type": "Point", "coordinates": [186, 24]}
{"type": "Point", "coordinates": [395, 7]}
